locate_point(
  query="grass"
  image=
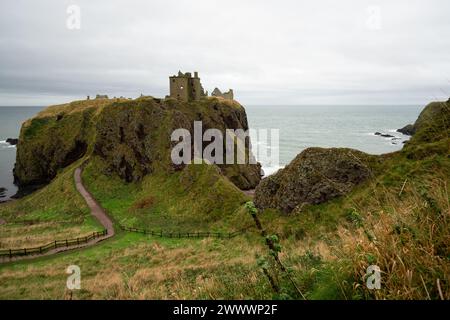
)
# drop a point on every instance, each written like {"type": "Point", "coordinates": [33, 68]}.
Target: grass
{"type": "Point", "coordinates": [195, 199]}
{"type": "Point", "coordinates": [55, 212]}
{"type": "Point", "coordinates": [133, 266]}
{"type": "Point", "coordinates": [397, 220]}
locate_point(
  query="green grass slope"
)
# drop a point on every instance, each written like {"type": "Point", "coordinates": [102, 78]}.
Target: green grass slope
{"type": "Point", "coordinates": [55, 212]}
{"type": "Point", "coordinates": [195, 199]}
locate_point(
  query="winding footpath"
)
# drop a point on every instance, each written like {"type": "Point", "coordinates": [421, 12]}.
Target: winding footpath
{"type": "Point", "coordinates": [95, 208]}
{"type": "Point", "coordinates": [96, 211]}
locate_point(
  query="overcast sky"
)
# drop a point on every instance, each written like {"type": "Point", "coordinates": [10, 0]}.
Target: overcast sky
{"type": "Point", "coordinates": [269, 52]}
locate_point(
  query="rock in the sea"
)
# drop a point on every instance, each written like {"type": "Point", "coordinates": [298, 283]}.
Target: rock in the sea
{"type": "Point", "coordinates": [2, 192]}
{"type": "Point", "coordinates": [407, 130]}
{"type": "Point", "coordinates": [314, 176]}
{"type": "Point", "coordinates": [384, 135]}
{"type": "Point", "coordinates": [12, 141]}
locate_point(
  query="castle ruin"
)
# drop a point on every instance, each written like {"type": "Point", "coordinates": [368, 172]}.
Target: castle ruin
{"type": "Point", "coordinates": [186, 87]}
{"type": "Point", "coordinates": [226, 95]}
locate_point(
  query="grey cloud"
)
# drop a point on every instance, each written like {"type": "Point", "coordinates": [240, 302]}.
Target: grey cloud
{"type": "Point", "coordinates": [286, 52]}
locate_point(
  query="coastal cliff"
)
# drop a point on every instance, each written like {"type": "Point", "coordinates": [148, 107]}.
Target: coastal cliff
{"type": "Point", "coordinates": [132, 137]}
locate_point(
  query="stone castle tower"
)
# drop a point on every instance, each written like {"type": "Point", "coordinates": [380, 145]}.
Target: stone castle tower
{"type": "Point", "coordinates": [186, 87]}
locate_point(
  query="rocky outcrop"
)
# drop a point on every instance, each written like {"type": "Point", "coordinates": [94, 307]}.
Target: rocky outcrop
{"type": "Point", "coordinates": [132, 137]}
{"type": "Point", "coordinates": [433, 115]}
{"type": "Point", "coordinates": [48, 144]}
{"type": "Point", "coordinates": [2, 192]}
{"type": "Point", "coordinates": [432, 132]}
{"type": "Point", "coordinates": [384, 135]}
{"type": "Point", "coordinates": [12, 141]}
{"type": "Point", "coordinates": [407, 130]}
{"type": "Point", "coordinates": [314, 176]}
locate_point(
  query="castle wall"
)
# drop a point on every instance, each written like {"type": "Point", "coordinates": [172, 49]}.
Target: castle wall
{"type": "Point", "coordinates": [179, 88]}
{"type": "Point", "coordinates": [229, 95]}
{"type": "Point", "coordinates": [197, 89]}
{"type": "Point", "coordinates": [185, 87]}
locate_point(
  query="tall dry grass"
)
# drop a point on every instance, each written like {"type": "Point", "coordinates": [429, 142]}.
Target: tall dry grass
{"type": "Point", "coordinates": [408, 237]}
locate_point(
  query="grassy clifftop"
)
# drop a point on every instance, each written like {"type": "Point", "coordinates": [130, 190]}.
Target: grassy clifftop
{"type": "Point", "coordinates": [130, 170]}
{"type": "Point", "coordinates": [131, 136]}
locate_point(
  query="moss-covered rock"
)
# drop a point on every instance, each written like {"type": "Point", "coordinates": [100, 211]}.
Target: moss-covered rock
{"type": "Point", "coordinates": [432, 132]}
{"type": "Point", "coordinates": [314, 176]}
{"type": "Point", "coordinates": [131, 136]}
{"type": "Point", "coordinates": [436, 117]}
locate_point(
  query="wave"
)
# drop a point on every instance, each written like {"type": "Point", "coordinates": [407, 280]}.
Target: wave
{"type": "Point", "coordinates": [8, 146]}
{"type": "Point", "coordinates": [271, 170]}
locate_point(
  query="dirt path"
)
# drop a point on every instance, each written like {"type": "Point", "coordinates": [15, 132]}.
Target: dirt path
{"type": "Point", "coordinates": [96, 211]}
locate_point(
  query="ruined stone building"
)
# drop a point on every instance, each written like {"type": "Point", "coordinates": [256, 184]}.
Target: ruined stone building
{"type": "Point", "coordinates": [226, 95]}
{"type": "Point", "coordinates": [186, 87]}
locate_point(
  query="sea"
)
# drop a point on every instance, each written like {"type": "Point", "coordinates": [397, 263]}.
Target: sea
{"type": "Point", "coordinates": [299, 127]}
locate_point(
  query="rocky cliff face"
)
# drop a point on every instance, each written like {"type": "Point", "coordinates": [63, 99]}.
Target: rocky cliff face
{"type": "Point", "coordinates": [433, 115]}
{"type": "Point", "coordinates": [314, 176]}
{"type": "Point", "coordinates": [431, 132]}
{"type": "Point", "coordinates": [131, 136]}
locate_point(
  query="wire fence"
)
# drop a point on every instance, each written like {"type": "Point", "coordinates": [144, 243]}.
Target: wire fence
{"type": "Point", "coordinates": [171, 234]}
{"type": "Point", "coordinates": [67, 243]}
